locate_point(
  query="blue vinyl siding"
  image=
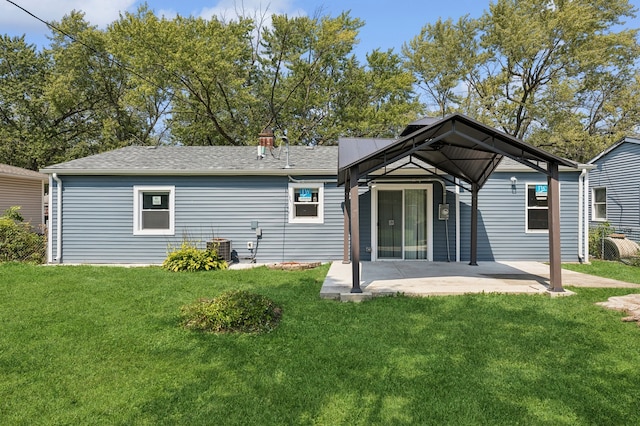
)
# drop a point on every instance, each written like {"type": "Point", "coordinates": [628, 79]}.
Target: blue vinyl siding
{"type": "Point", "coordinates": [440, 228]}
{"type": "Point", "coordinates": [618, 171]}
{"type": "Point", "coordinates": [98, 219]}
{"type": "Point", "coordinates": [501, 220]}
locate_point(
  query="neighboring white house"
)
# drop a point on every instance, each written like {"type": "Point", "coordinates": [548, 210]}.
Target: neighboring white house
{"type": "Point", "coordinates": [24, 188]}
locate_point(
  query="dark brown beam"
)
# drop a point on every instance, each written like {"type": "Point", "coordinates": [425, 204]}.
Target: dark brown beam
{"type": "Point", "coordinates": [555, 258]}
{"type": "Point", "coordinates": [355, 230]}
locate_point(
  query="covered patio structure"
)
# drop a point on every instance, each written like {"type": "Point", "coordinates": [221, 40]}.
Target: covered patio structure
{"type": "Point", "coordinates": [464, 149]}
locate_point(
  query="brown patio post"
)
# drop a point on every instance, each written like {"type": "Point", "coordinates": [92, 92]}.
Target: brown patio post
{"type": "Point", "coordinates": [355, 230]}
{"type": "Point", "coordinates": [555, 259]}
{"type": "Point", "coordinates": [473, 258]}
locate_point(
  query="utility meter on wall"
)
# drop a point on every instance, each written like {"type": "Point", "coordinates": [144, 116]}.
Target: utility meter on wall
{"type": "Point", "coordinates": [443, 212]}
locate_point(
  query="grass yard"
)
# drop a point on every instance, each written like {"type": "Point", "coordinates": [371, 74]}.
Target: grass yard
{"type": "Point", "coordinates": [607, 269]}
{"type": "Point", "coordinates": [102, 345]}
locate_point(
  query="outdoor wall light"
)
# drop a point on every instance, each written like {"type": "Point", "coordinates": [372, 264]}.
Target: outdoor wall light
{"type": "Point", "coordinates": [514, 180]}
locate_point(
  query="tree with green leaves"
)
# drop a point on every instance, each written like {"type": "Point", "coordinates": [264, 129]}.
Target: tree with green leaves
{"type": "Point", "coordinates": [202, 67]}
{"type": "Point", "coordinates": [556, 73]}
{"type": "Point", "coordinates": [318, 91]}
{"type": "Point", "coordinates": [23, 112]}
{"type": "Point", "coordinates": [68, 100]}
{"type": "Point", "coordinates": [440, 57]}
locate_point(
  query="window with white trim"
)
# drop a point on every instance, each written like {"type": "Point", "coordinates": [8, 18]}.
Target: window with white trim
{"type": "Point", "coordinates": [537, 208]}
{"type": "Point", "coordinates": [599, 205]}
{"type": "Point", "coordinates": [153, 210]}
{"type": "Point", "coordinates": [306, 203]}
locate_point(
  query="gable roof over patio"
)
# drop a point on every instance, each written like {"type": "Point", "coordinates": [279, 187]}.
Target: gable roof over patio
{"type": "Point", "coordinates": [460, 147]}
{"type": "Point", "coordinates": [457, 145]}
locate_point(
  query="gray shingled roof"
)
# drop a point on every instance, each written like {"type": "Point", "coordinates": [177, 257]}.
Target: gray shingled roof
{"type": "Point", "coordinates": [212, 160]}
{"type": "Point", "coordinates": [204, 160]}
{"type": "Point", "coordinates": [13, 171]}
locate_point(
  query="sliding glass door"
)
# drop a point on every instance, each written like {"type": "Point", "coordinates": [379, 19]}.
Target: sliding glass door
{"type": "Point", "coordinates": [402, 221]}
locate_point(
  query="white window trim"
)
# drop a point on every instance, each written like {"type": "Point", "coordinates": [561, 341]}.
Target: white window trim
{"type": "Point", "coordinates": [137, 210]}
{"type": "Point", "coordinates": [527, 208]}
{"type": "Point", "coordinates": [295, 185]}
{"type": "Point", "coordinates": [593, 204]}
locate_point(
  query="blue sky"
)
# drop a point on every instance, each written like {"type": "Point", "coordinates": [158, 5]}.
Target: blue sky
{"type": "Point", "coordinates": [388, 24]}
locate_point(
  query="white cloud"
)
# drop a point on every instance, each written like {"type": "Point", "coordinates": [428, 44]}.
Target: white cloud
{"type": "Point", "coordinates": [15, 21]}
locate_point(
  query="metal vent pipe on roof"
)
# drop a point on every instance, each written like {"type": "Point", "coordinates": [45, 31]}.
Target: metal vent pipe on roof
{"type": "Point", "coordinates": [286, 142]}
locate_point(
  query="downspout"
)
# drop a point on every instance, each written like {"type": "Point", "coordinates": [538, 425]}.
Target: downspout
{"type": "Point", "coordinates": [48, 224]}
{"type": "Point", "coordinates": [457, 222]}
{"type": "Point", "coordinates": [580, 211]}
{"type": "Point", "coordinates": [585, 234]}
{"type": "Point", "coordinates": [58, 257]}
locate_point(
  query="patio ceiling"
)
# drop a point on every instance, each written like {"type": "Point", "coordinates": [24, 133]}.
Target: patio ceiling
{"type": "Point", "coordinates": [457, 145]}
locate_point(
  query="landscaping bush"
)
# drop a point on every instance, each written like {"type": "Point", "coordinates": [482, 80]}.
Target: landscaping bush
{"type": "Point", "coordinates": [235, 311]}
{"type": "Point", "coordinates": [18, 240]}
{"type": "Point", "coordinates": [190, 258]}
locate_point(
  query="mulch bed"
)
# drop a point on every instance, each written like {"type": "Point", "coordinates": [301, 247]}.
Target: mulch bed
{"type": "Point", "coordinates": [294, 266]}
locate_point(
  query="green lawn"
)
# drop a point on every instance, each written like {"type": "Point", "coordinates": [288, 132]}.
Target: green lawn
{"type": "Point", "coordinates": [614, 270]}
{"type": "Point", "coordinates": [102, 345]}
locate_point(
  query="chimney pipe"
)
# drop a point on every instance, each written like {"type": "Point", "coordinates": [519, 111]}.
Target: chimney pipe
{"type": "Point", "coordinates": [265, 139]}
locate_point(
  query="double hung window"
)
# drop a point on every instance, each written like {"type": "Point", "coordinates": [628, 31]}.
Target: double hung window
{"type": "Point", "coordinates": [537, 208]}
{"type": "Point", "coordinates": [599, 205]}
{"type": "Point", "coordinates": [153, 210]}
{"type": "Point", "coordinates": [306, 203]}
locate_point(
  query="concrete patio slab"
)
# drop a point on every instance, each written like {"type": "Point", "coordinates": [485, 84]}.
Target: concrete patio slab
{"type": "Point", "coordinates": [451, 278]}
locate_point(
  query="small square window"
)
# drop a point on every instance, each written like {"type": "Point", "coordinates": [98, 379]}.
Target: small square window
{"type": "Point", "coordinates": [306, 203]}
{"type": "Point", "coordinates": [153, 210]}
{"type": "Point", "coordinates": [599, 206]}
